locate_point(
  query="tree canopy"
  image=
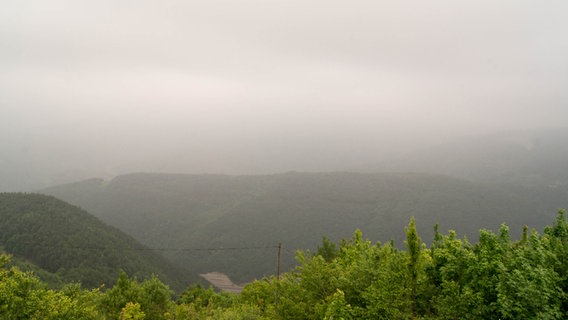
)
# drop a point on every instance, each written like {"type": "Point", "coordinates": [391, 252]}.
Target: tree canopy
{"type": "Point", "coordinates": [495, 278]}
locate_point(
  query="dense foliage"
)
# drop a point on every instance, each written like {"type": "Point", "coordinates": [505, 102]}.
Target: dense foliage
{"type": "Point", "coordinates": [495, 278]}
{"type": "Point", "coordinates": [69, 244]}
{"type": "Point", "coordinates": [296, 209]}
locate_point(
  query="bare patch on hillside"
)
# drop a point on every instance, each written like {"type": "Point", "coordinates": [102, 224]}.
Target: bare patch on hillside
{"type": "Point", "coordinates": [222, 282]}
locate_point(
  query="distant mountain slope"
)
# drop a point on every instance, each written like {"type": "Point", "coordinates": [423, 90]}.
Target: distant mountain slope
{"type": "Point", "coordinates": [235, 221]}
{"type": "Point", "coordinates": [537, 157]}
{"type": "Point", "coordinates": [74, 245]}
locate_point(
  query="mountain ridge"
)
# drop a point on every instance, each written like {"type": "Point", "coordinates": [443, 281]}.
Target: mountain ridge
{"type": "Point", "coordinates": [296, 209]}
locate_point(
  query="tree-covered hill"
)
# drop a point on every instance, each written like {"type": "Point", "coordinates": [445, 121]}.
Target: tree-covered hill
{"type": "Point", "coordinates": [233, 223]}
{"type": "Point", "coordinates": [72, 245]}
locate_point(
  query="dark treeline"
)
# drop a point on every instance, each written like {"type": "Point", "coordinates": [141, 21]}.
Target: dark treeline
{"type": "Point", "coordinates": [495, 278]}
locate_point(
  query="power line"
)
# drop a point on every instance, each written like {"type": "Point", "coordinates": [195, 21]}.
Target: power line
{"type": "Point", "coordinates": [150, 249]}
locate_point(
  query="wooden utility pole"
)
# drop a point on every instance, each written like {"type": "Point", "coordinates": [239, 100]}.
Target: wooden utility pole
{"type": "Point", "coordinates": [276, 296]}
{"type": "Point", "coordinates": [278, 261]}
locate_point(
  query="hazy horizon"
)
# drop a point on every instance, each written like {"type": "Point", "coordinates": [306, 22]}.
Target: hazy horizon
{"type": "Point", "coordinates": [101, 88]}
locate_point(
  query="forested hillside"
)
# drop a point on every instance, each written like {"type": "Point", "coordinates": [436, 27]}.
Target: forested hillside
{"type": "Point", "coordinates": [210, 214]}
{"type": "Point", "coordinates": [72, 245]}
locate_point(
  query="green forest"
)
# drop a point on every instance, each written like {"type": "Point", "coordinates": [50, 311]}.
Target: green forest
{"type": "Point", "coordinates": [494, 278]}
{"type": "Point", "coordinates": [63, 243]}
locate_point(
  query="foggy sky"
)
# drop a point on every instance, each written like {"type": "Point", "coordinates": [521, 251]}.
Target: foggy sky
{"type": "Point", "coordinates": [103, 87]}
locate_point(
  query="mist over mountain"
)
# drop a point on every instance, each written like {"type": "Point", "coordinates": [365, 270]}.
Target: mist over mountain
{"type": "Point", "coordinates": [529, 156]}
{"type": "Point", "coordinates": [99, 89]}
{"type": "Point", "coordinates": [517, 157]}
{"type": "Point", "coordinates": [31, 165]}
